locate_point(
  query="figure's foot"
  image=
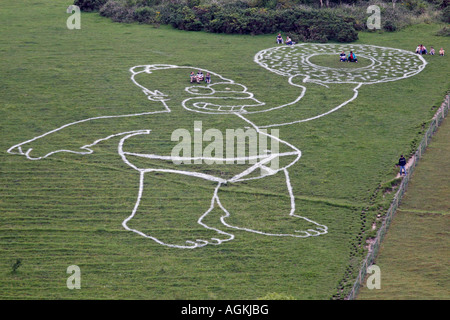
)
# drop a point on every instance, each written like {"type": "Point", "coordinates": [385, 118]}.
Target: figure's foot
{"type": "Point", "coordinates": [175, 219]}
{"type": "Point", "coordinates": [272, 214]}
{"type": "Point", "coordinates": [275, 223]}
{"type": "Point", "coordinates": [187, 237]}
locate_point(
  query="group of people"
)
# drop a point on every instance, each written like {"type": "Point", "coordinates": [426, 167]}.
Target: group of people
{"type": "Point", "coordinates": [280, 40]}
{"type": "Point", "coordinates": [421, 49]}
{"type": "Point", "coordinates": [200, 77]}
{"type": "Point", "coordinates": [350, 58]}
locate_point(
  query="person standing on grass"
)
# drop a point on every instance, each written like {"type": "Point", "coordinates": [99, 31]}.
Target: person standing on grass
{"type": "Point", "coordinates": [402, 164]}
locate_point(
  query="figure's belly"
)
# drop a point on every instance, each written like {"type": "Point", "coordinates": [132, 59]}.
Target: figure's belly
{"type": "Point", "coordinates": [226, 159]}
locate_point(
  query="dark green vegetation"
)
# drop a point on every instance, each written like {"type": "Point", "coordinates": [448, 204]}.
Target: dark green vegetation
{"type": "Point", "coordinates": [237, 18]}
{"type": "Point", "coordinates": [68, 209]}
{"type": "Point", "coordinates": [414, 257]}
{"type": "Point", "coordinates": [303, 20]}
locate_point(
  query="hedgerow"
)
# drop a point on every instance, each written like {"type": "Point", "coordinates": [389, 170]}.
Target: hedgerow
{"type": "Point", "coordinates": [293, 17]}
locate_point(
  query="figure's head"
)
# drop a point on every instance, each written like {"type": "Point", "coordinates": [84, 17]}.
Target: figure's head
{"type": "Point", "coordinates": [164, 83]}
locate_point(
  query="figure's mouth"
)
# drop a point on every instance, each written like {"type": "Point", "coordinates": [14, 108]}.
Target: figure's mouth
{"type": "Point", "coordinates": [221, 104]}
{"type": "Point", "coordinates": [215, 107]}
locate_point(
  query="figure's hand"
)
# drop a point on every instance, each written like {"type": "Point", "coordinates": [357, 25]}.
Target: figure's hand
{"type": "Point", "coordinates": [62, 141]}
{"type": "Point", "coordinates": [36, 150]}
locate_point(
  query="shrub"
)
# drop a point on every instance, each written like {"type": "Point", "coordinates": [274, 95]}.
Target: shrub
{"type": "Point", "coordinates": [117, 12]}
{"type": "Point", "coordinates": [446, 15]}
{"type": "Point", "coordinates": [319, 26]}
{"type": "Point", "coordinates": [417, 6]}
{"type": "Point", "coordinates": [148, 3]}
{"type": "Point", "coordinates": [205, 13]}
{"type": "Point", "coordinates": [389, 26]}
{"type": "Point", "coordinates": [444, 32]}
{"type": "Point", "coordinates": [145, 15]}
{"type": "Point", "coordinates": [238, 17]}
{"type": "Point", "coordinates": [171, 13]}
{"type": "Point", "coordinates": [89, 5]}
{"type": "Point", "coordinates": [193, 3]}
{"type": "Point", "coordinates": [259, 21]}
{"type": "Point", "coordinates": [347, 34]}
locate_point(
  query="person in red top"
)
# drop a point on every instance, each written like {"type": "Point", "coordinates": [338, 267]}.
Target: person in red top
{"type": "Point", "coordinates": [352, 57]}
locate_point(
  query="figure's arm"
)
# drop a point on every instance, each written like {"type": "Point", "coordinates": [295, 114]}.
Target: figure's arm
{"type": "Point", "coordinates": [80, 136]}
{"type": "Point", "coordinates": [316, 100]}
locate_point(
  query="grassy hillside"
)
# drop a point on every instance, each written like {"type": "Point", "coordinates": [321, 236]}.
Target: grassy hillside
{"type": "Point", "coordinates": [68, 209]}
{"type": "Point", "coordinates": [414, 256]}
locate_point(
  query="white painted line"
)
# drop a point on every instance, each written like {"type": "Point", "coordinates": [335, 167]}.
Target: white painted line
{"type": "Point", "coordinates": [292, 61]}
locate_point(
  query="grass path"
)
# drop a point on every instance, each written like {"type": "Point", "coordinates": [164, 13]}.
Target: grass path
{"type": "Point", "coordinates": [414, 257]}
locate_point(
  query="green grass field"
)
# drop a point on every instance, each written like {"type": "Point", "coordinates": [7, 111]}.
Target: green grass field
{"type": "Point", "coordinates": [68, 209]}
{"type": "Point", "coordinates": [414, 255]}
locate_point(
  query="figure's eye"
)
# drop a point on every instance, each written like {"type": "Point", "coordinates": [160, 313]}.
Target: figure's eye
{"type": "Point", "coordinates": [199, 90]}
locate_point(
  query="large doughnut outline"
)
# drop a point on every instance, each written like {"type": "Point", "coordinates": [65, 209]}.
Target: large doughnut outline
{"type": "Point", "coordinates": [387, 64]}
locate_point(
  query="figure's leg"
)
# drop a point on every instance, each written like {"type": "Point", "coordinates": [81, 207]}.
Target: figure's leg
{"type": "Point", "coordinates": [270, 215]}
{"type": "Point", "coordinates": [170, 210]}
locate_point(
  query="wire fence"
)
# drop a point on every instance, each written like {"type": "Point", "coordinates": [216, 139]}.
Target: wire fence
{"type": "Point", "coordinates": [375, 246]}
